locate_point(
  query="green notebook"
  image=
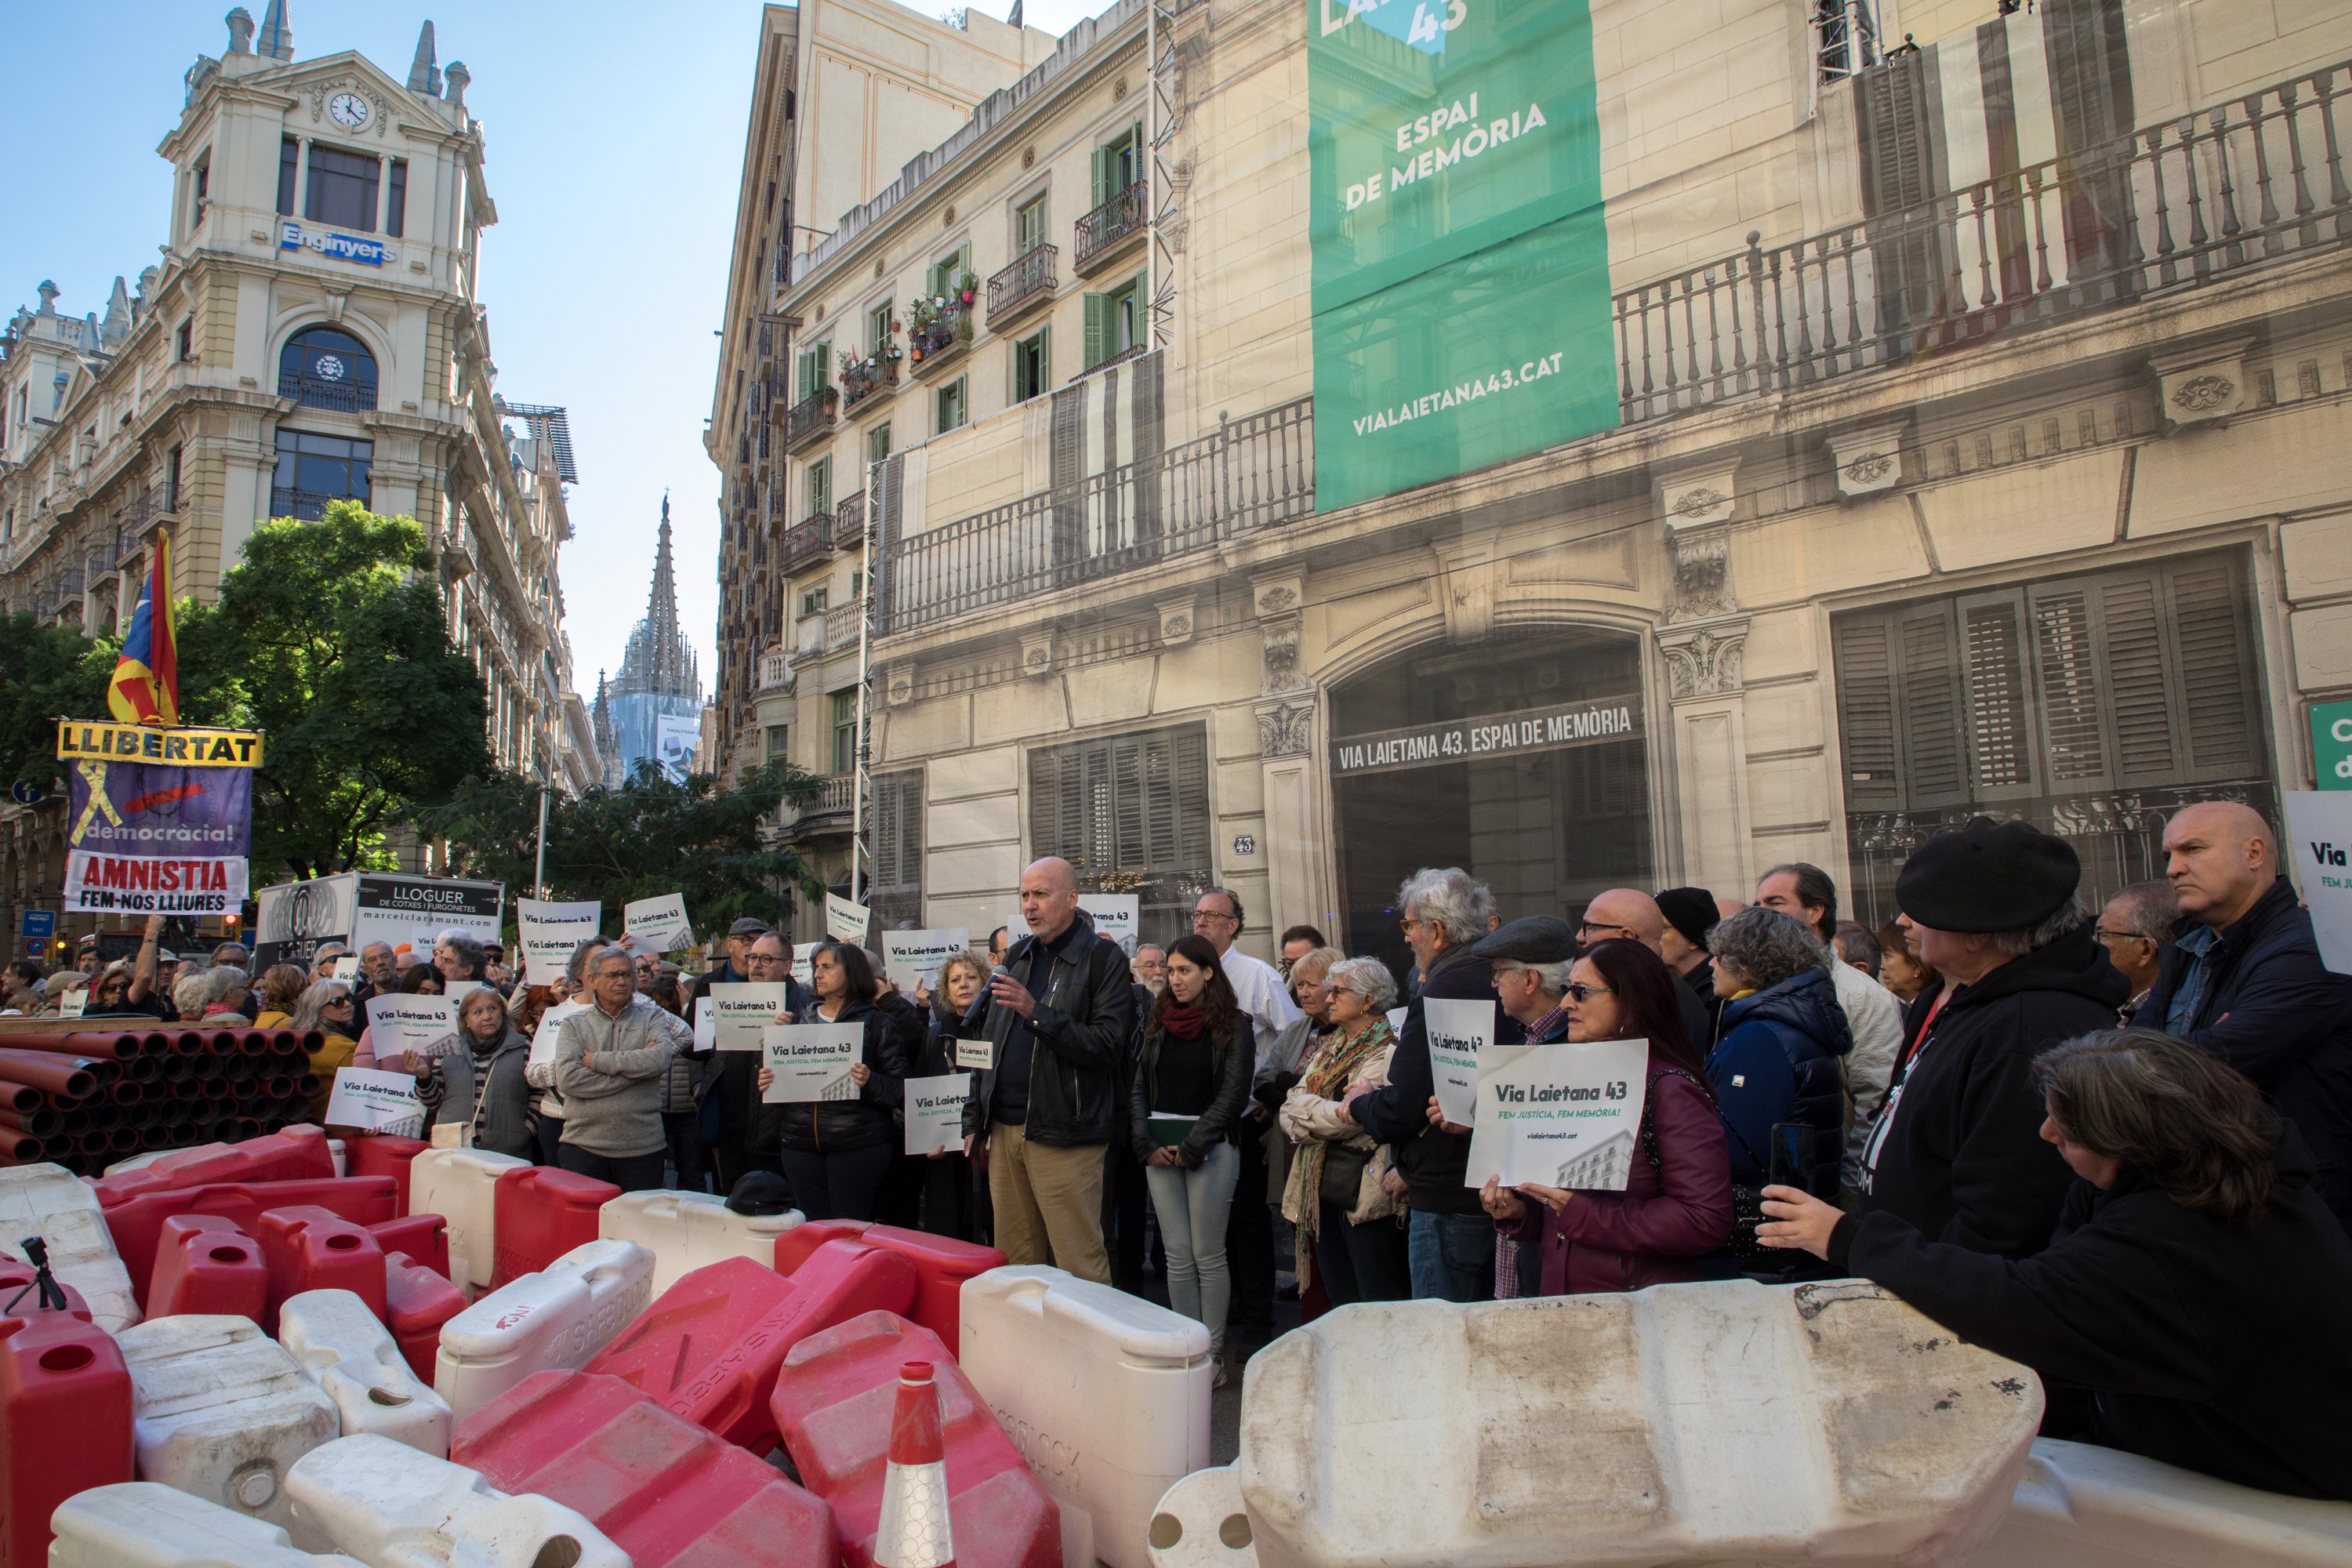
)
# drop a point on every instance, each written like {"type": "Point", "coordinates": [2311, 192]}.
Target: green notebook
{"type": "Point", "coordinates": [1169, 1130]}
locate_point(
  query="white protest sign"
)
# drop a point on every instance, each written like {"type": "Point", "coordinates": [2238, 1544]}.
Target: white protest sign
{"type": "Point", "coordinates": [381, 1101]}
{"type": "Point", "coordinates": [1396, 1019]}
{"type": "Point", "coordinates": [935, 1113]}
{"type": "Point", "coordinates": [811, 1061]}
{"type": "Point", "coordinates": [347, 967]}
{"type": "Point", "coordinates": [74, 1003]}
{"type": "Point", "coordinates": [2319, 830]}
{"type": "Point", "coordinates": [549, 933]}
{"type": "Point", "coordinates": [1560, 1116]}
{"type": "Point", "coordinates": [706, 1028]}
{"type": "Point", "coordinates": [660, 925]}
{"type": "Point", "coordinates": [910, 954]}
{"type": "Point", "coordinates": [739, 1009]}
{"type": "Point", "coordinates": [550, 1026]}
{"type": "Point", "coordinates": [978, 1055]}
{"type": "Point", "coordinates": [457, 991]}
{"type": "Point", "coordinates": [1461, 1030]}
{"type": "Point", "coordinates": [400, 1022]}
{"type": "Point", "coordinates": [844, 921]}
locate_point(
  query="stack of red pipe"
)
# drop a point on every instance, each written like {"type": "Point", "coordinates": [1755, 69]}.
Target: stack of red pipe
{"type": "Point", "coordinates": [88, 1098]}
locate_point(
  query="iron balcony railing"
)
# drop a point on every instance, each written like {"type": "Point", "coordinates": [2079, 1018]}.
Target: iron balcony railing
{"type": "Point", "coordinates": [849, 521]}
{"type": "Point", "coordinates": [1117, 219]}
{"type": "Point", "coordinates": [818, 412]}
{"type": "Point", "coordinates": [343, 394]}
{"type": "Point", "coordinates": [307, 505]}
{"type": "Point", "coordinates": [861, 379]}
{"type": "Point", "coordinates": [1026, 282]}
{"type": "Point", "coordinates": [806, 540]}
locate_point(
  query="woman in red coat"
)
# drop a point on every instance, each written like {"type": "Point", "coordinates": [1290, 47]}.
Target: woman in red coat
{"type": "Point", "coordinates": [1677, 1205]}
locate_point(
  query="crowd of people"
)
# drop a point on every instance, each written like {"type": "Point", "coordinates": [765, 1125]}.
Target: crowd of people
{"type": "Point", "coordinates": [2115, 1146]}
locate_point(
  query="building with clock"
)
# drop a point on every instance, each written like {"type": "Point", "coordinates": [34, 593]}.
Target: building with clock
{"type": "Point", "coordinates": [312, 333]}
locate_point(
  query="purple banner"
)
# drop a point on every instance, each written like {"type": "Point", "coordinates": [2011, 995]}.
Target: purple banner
{"type": "Point", "coordinates": [147, 839]}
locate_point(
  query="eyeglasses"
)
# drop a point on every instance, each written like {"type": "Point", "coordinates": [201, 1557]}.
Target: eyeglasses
{"type": "Point", "coordinates": [2104, 934]}
{"type": "Point", "coordinates": [1200, 915]}
{"type": "Point", "coordinates": [339, 1002]}
{"type": "Point", "coordinates": [1586, 927]}
{"type": "Point", "coordinates": [1577, 990]}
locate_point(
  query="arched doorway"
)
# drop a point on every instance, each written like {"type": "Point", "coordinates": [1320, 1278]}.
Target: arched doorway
{"type": "Point", "coordinates": [1524, 759]}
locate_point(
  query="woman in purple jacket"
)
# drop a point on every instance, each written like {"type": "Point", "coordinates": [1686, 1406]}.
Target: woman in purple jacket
{"type": "Point", "coordinates": [1677, 1205]}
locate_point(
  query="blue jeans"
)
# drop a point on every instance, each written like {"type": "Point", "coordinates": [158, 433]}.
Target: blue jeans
{"type": "Point", "coordinates": [1193, 1208]}
{"type": "Point", "coordinates": [1451, 1256]}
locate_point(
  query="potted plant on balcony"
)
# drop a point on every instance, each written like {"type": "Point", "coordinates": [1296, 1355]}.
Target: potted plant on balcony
{"type": "Point", "coordinates": [921, 315]}
{"type": "Point", "coordinates": [969, 287]}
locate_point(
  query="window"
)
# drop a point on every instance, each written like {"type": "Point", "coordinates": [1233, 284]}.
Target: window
{"type": "Point", "coordinates": [183, 343]}
{"type": "Point", "coordinates": [895, 893]}
{"type": "Point", "coordinates": [2045, 701]}
{"type": "Point", "coordinates": [877, 328]}
{"type": "Point", "coordinates": [946, 277]}
{"type": "Point", "coordinates": [813, 602]}
{"type": "Point", "coordinates": [289, 159]}
{"type": "Point", "coordinates": [845, 731]}
{"type": "Point", "coordinates": [1028, 226]}
{"type": "Point", "coordinates": [324, 367]}
{"type": "Point", "coordinates": [1118, 164]}
{"type": "Point", "coordinates": [343, 189]}
{"type": "Point", "coordinates": [816, 367]}
{"type": "Point", "coordinates": [1033, 370]}
{"type": "Point", "coordinates": [315, 470]}
{"type": "Point", "coordinates": [877, 442]}
{"type": "Point", "coordinates": [953, 409]}
{"type": "Point", "coordinates": [780, 742]}
{"type": "Point", "coordinates": [1129, 812]}
{"type": "Point", "coordinates": [820, 487]}
{"type": "Point", "coordinates": [200, 188]}
{"type": "Point", "coordinates": [395, 200]}
{"type": "Point", "coordinates": [1115, 323]}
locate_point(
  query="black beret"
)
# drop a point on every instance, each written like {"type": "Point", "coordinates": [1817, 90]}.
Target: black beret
{"type": "Point", "coordinates": [1988, 877]}
{"type": "Point", "coordinates": [1690, 911]}
{"type": "Point", "coordinates": [1532, 939]}
{"type": "Point", "coordinates": [760, 1192]}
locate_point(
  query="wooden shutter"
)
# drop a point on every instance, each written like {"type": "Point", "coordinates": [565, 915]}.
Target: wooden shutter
{"type": "Point", "coordinates": [1135, 157]}
{"type": "Point", "coordinates": [2143, 715]}
{"type": "Point", "coordinates": [899, 830]}
{"type": "Point", "coordinates": [1935, 759]}
{"type": "Point", "coordinates": [2216, 670]}
{"type": "Point", "coordinates": [804, 370]}
{"type": "Point", "coordinates": [1046, 357]}
{"type": "Point", "coordinates": [1097, 329]}
{"type": "Point", "coordinates": [1866, 707]}
{"type": "Point", "coordinates": [1102, 176]}
{"type": "Point", "coordinates": [1130, 805]}
{"type": "Point", "coordinates": [2000, 731]}
{"type": "Point", "coordinates": [2066, 661]}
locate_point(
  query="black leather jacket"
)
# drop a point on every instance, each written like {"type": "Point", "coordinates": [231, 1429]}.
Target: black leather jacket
{"type": "Point", "coordinates": [1084, 1020]}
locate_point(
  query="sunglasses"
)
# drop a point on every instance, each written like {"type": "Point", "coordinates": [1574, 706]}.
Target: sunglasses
{"type": "Point", "coordinates": [1577, 990]}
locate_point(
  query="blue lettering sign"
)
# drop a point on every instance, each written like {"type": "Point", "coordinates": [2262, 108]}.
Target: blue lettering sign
{"type": "Point", "coordinates": [340, 247]}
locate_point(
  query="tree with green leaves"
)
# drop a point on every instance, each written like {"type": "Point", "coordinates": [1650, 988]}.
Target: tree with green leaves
{"type": "Point", "coordinates": [647, 837]}
{"type": "Point", "coordinates": [53, 672]}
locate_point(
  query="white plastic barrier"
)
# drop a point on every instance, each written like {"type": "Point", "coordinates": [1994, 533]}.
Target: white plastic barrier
{"type": "Point", "coordinates": [461, 1186]}
{"type": "Point", "coordinates": [140, 1524]}
{"type": "Point", "coordinates": [339, 1343]}
{"type": "Point", "coordinates": [391, 1507]}
{"type": "Point", "coordinates": [559, 1318]}
{"type": "Point", "coordinates": [62, 1209]}
{"type": "Point", "coordinates": [1106, 1395]}
{"type": "Point", "coordinates": [220, 1411]}
{"type": "Point", "coordinates": [686, 1231]}
{"type": "Point", "coordinates": [1683, 1424]}
{"type": "Point", "coordinates": [1201, 1524]}
{"type": "Point", "coordinates": [2082, 1506]}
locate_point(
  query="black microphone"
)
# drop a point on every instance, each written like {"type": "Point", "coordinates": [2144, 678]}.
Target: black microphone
{"type": "Point", "coordinates": [979, 1009]}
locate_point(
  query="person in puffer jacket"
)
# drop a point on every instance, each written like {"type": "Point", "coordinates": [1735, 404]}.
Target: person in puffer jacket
{"type": "Point", "coordinates": [1781, 1052]}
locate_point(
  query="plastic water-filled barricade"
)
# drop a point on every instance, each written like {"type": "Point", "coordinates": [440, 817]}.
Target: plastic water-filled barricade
{"type": "Point", "coordinates": [52, 1203]}
{"type": "Point", "coordinates": [136, 1223]}
{"type": "Point", "coordinates": [298, 1153]}
{"type": "Point", "coordinates": [664, 1489]}
{"type": "Point", "coordinates": [384, 1155]}
{"type": "Point", "coordinates": [65, 1412]}
{"type": "Point", "coordinates": [461, 1186]}
{"type": "Point", "coordinates": [308, 1248]}
{"type": "Point", "coordinates": [220, 1410]}
{"type": "Point", "coordinates": [710, 1348]}
{"type": "Point", "coordinates": [1106, 1395]}
{"type": "Point", "coordinates": [391, 1507]}
{"type": "Point", "coordinates": [141, 1524]}
{"type": "Point", "coordinates": [834, 1400]}
{"type": "Point", "coordinates": [553, 1320]}
{"type": "Point", "coordinates": [685, 1231]}
{"type": "Point", "coordinates": [339, 1343]}
{"type": "Point", "coordinates": [2083, 1507]}
{"type": "Point", "coordinates": [204, 1265]}
{"type": "Point", "coordinates": [1830, 1422]}
{"type": "Point", "coordinates": [941, 1263]}
{"type": "Point", "coordinates": [424, 1237]}
{"type": "Point", "coordinates": [418, 1302]}
{"type": "Point", "coordinates": [538, 1215]}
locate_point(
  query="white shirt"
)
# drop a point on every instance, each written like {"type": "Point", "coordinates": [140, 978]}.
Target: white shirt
{"type": "Point", "coordinates": [1875, 1019]}
{"type": "Point", "coordinates": [1259, 987]}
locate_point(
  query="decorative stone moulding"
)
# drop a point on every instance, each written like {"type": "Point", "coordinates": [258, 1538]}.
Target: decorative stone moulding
{"type": "Point", "coordinates": [1286, 729]}
{"type": "Point", "coordinates": [1177, 618]}
{"type": "Point", "coordinates": [1696, 498]}
{"type": "Point", "coordinates": [2202, 385]}
{"type": "Point", "coordinates": [1037, 653]}
{"type": "Point", "coordinates": [1868, 461]}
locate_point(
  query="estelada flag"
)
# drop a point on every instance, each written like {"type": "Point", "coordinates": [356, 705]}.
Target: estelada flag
{"type": "Point", "coordinates": [146, 685]}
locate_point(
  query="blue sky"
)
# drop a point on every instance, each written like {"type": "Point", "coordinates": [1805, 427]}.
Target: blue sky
{"type": "Point", "coordinates": [616, 133]}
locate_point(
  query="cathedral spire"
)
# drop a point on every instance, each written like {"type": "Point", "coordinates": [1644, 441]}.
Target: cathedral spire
{"type": "Point", "coordinates": [659, 661]}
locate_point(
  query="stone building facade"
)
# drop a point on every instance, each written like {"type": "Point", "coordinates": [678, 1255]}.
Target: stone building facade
{"type": "Point", "coordinates": [1978, 446]}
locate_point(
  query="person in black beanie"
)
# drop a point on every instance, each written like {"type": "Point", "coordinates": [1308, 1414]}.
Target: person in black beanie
{"type": "Point", "coordinates": [1957, 1150]}
{"type": "Point", "coordinates": [1691, 913]}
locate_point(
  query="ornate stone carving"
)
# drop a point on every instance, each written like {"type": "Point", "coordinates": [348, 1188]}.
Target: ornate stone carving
{"type": "Point", "coordinates": [1276, 600]}
{"type": "Point", "coordinates": [898, 687]}
{"type": "Point", "coordinates": [1176, 619]}
{"type": "Point", "coordinates": [1699, 501]}
{"type": "Point", "coordinates": [2203, 394]}
{"type": "Point", "coordinates": [1286, 729]}
{"type": "Point", "coordinates": [1701, 577]}
{"type": "Point", "coordinates": [2204, 383]}
{"type": "Point", "coordinates": [1705, 663]}
{"type": "Point", "coordinates": [1697, 498]}
{"type": "Point", "coordinates": [1868, 460]}
{"type": "Point", "coordinates": [1037, 653]}
{"type": "Point", "coordinates": [1285, 669]}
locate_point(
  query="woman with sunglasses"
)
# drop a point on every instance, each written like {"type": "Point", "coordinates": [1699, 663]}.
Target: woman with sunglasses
{"type": "Point", "coordinates": [327, 1006]}
{"type": "Point", "coordinates": [1675, 1207]}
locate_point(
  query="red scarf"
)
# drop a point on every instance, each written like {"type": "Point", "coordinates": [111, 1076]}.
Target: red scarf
{"type": "Point", "coordinates": [1182, 1020]}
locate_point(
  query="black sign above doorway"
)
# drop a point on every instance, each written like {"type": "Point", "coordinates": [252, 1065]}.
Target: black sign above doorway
{"type": "Point", "coordinates": [1487, 736]}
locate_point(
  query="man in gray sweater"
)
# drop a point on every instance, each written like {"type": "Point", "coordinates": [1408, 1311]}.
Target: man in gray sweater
{"type": "Point", "coordinates": [612, 1066]}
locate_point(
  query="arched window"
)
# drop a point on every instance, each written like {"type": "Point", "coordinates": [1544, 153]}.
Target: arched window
{"type": "Point", "coordinates": [326, 368]}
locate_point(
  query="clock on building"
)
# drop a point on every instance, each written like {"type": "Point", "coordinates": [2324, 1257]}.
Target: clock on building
{"type": "Point", "coordinates": [349, 109]}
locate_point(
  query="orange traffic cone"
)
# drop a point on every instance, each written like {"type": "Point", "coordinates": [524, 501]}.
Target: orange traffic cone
{"type": "Point", "coordinates": [915, 1531]}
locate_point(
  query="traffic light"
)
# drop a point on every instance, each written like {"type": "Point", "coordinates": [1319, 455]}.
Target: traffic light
{"type": "Point", "coordinates": [228, 924]}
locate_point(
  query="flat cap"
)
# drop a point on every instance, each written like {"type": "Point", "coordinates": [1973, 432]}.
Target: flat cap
{"type": "Point", "coordinates": [760, 1192]}
{"type": "Point", "coordinates": [1988, 876]}
{"type": "Point", "coordinates": [1531, 938]}
{"type": "Point", "coordinates": [749, 925]}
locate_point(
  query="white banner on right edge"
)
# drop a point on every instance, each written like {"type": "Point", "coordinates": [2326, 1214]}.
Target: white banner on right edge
{"type": "Point", "coordinates": [2319, 836]}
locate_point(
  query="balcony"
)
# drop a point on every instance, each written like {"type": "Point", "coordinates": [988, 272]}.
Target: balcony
{"type": "Point", "coordinates": [776, 671]}
{"type": "Point", "coordinates": [813, 417]}
{"type": "Point", "coordinates": [1112, 229]}
{"type": "Point", "coordinates": [841, 625]}
{"type": "Point", "coordinates": [1023, 287]}
{"type": "Point", "coordinates": [806, 540]}
{"type": "Point", "coordinates": [835, 801]}
{"type": "Point", "coordinates": [342, 394]}
{"type": "Point", "coordinates": [941, 341]}
{"type": "Point", "coordinates": [861, 379]}
{"type": "Point", "coordinates": [849, 522]}
{"type": "Point", "coordinates": [307, 505]}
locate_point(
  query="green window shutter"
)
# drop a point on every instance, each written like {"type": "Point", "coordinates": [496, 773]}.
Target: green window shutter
{"type": "Point", "coordinates": [823, 364]}
{"type": "Point", "coordinates": [1135, 154]}
{"type": "Point", "coordinates": [1097, 329]}
{"type": "Point", "coordinates": [805, 369]}
{"type": "Point", "coordinates": [1102, 176]}
{"type": "Point", "coordinates": [1045, 358]}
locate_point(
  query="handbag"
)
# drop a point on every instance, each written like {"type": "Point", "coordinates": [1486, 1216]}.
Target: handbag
{"type": "Point", "coordinates": [1747, 1203]}
{"type": "Point", "coordinates": [1343, 1174]}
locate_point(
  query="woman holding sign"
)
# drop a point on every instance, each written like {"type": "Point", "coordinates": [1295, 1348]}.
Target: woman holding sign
{"type": "Point", "coordinates": [1347, 1219]}
{"type": "Point", "coordinates": [480, 1085]}
{"type": "Point", "coordinates": [835, 1152]}
{"type": "Point", "coordinates": [948, 1195]}
{"type": "Point", "coordinates": [1675, 1207]}
{"type": "Point", "coordinates": [326, 1007]}
{"type": "Point", "coordinates": [1190, 1084]}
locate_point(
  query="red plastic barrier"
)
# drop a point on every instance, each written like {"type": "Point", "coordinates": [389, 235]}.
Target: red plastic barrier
{"type": "Point", "coordinates": [299, 1153]}
{"type": "Point", "coordinates": [833, 1403]}
{"type": "Point", "coordinates": [942, 1266]}
{"type": "Point", "coordinates": [709, 1347]}
{"type": "Point", "coordinates": [65, 1413]}
{"type": "Point", "coordinates": [667, 1493]}
{"type": "Point", "coordinates": [424, 1237]}
{"type": "Point", "coordinates": [417, 1301]}
{"type": "Point", "coordinates": [137, 1223]}
{"type": "Point", "coordinates": [206, 1264]}
{"type": "Point", "coordinates": [381, 1155]}
{"type": "Point", "coordinates": [541, 1214]}
{"type": "Point", "coordinates": [311, 1248]}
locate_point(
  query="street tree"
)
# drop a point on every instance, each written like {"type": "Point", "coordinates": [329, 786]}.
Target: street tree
{"type": "Point", "coordinates": [53, 672]}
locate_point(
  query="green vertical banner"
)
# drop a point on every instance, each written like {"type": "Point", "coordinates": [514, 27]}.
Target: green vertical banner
{"type": "Point", "coordinates": [1461, 248]}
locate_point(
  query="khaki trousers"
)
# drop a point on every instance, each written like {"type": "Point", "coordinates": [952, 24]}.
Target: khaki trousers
{"type": "Point", "coordinates": [1047, 1198]}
